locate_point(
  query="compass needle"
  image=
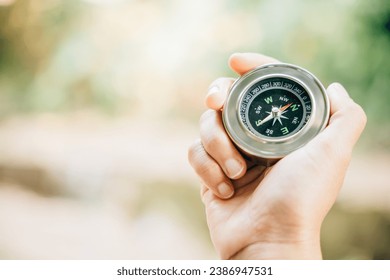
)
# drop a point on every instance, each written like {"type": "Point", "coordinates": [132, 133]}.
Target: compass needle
{"type": "Point", "coordinates": [285, 107]}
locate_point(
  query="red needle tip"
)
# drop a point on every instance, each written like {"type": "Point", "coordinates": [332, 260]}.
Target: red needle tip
{"type": "Point", "coordinates": [285, 107]}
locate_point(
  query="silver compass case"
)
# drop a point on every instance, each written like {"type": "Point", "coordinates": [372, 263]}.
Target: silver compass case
{"type": "Point", "coordinates": [267, 150]}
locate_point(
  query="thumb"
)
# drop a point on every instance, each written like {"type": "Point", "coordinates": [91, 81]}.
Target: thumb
{"type": "Point", "coordinates": [347, 119]}
{"type": "Point", "coordinates": [244, 62]}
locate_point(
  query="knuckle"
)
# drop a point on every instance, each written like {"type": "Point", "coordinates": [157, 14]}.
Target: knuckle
{"type": "Point", "coordinates": [195, 148]}
{"type": "Point", "coordinates": [203, 165]}
{"type": "Point", "coordinates": [212, 142]}
{"type": "Point", "coordinates": [356, 112]}
{"type": "Point", "coordinates": [210, 131]}
{"type": "Point", "coordinates": [360, 114]}
{"type": "Point", "coordinates": [208, 170]}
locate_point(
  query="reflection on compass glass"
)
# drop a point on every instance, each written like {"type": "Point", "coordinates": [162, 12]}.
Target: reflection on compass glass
{"type": "Point", "coordinates": [275, 107]}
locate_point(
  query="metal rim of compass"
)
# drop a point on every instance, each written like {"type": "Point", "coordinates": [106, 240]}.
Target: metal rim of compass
{"type": "Point", "coordinates": [267, 150]}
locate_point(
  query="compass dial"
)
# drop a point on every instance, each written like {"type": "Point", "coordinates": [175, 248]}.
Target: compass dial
{"type": "Point", "coordinates": [275, 108]}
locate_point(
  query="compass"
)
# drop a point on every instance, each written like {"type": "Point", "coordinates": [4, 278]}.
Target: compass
{"type": "Point", "coordinates": [274, 110]}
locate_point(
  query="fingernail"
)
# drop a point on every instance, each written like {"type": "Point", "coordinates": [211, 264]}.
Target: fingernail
{"type": "Point", "coordinates": [225, 191]}
{"type": "Point", "coordinates": [233, 168]}
{"type": "Point", "coordinates": [214, 99]}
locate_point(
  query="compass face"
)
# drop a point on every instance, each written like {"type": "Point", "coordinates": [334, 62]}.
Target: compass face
{"type": "Point", "coordinates": [275, 108]}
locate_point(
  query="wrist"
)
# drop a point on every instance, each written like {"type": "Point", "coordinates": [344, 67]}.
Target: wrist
{"type": "Point", "coordinates": [275, 251]}
{"type": "Point", "coordinates": [304, 248]}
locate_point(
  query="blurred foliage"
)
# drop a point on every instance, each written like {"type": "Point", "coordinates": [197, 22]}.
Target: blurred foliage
{"type": "Point", "coordinates": [347, 41]}
{"type": "Point", "coordinates": [30, 31]}
{"type": "Point", "coordinates": [364, 66]}
{"type": "Point", "coordinates": [46, 60]}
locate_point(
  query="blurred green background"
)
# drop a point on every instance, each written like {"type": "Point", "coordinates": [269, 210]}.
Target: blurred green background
{"type": "Point", "coordinates": [100, 99]}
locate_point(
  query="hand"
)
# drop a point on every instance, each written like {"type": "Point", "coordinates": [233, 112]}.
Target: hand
{"type": "Point", "coordinates": [255, 212]}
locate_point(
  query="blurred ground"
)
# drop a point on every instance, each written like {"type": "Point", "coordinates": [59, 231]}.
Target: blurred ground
{"type": "Point", "coordinates": [80, 186]}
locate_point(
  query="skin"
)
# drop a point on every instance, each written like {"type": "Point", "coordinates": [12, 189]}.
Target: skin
{"type": "Point", "coordinates": [255, 212]}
